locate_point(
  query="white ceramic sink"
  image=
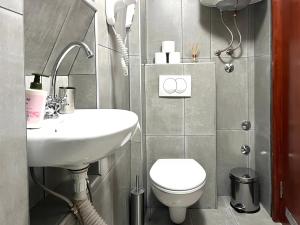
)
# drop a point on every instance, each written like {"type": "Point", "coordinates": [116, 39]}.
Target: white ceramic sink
{"type": "Point", "coordinates": [75, 140]}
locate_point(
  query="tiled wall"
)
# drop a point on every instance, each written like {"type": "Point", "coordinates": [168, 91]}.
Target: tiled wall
{"type": "Point", "coordinates": [109, 89]}
{"type": "Point", "coordinates": [187, 23]}
{"type": "Point", "coordinates": [77, 70]}
{"type": "Point", "coordinates": [14, 185]}
{"type": "Point", "coordinates": [183, 127]}
{"type": "Point", "coordinates": [262, 89]}
{"type": "Point", "coordinates": [112, 190]}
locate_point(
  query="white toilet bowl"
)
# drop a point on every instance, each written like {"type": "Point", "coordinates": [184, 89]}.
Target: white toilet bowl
{"type": "Point", "coordinates": [178, 184]}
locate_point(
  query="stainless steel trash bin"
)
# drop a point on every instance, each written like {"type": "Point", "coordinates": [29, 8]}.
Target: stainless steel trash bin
{"type": "Point", "coordinates": [244, 190]}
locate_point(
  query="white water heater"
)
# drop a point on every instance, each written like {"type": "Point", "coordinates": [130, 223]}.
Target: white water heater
{"type": "Point", "coordinates": [228, 5]}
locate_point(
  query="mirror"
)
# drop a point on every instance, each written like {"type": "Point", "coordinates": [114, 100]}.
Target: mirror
{"type": "Point", "coordinates": [49, 26]}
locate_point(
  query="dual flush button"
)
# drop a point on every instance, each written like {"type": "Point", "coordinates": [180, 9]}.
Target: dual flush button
{"type": "Point", "coordinates": [174, 86]}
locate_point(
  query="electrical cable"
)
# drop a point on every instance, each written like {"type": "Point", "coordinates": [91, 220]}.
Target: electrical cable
{"type": "Point", "coordinates": [124, 51]}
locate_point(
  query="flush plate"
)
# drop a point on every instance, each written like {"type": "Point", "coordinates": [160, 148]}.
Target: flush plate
{"type": "Point", "coordinates": [175, 86]}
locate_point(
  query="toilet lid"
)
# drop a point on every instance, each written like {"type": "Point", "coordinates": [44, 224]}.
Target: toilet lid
{"type": "Point", "coordinates": [177, 174]}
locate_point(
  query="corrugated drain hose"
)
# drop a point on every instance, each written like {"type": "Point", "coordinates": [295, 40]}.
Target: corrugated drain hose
{"type": "Point", "coordinates": [83, 210]}
{"type": "Point", "coordinates": [88, 213]}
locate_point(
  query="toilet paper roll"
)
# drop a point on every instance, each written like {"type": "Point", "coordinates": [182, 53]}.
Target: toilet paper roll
{"type": "Point", "coordinates": [160, 58]}
{"type": "Point", "coordinates": [168, 46]}
{"type": "Point", "coordinates": [174, 57]}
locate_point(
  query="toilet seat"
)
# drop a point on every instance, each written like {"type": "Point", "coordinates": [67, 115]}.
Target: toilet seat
{"type": "Point", "coordinates": [177, 176]}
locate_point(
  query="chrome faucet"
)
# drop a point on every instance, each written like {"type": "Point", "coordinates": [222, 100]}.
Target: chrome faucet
{"type": "Point", "coordinates": [54, 102]}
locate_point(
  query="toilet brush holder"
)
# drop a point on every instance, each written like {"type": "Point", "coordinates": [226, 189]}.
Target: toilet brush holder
{"type": "Point", "coordinates": [137, 204]}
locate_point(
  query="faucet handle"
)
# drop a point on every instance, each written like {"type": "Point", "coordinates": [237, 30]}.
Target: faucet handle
{"type": "Point", "coordinates": [53, 105]}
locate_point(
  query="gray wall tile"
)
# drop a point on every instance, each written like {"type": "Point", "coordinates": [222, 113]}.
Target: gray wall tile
{"type": "Point", "coordinates": [137, 158]}
{"type": "Point", "coordinates": [203, 149]}
{"type": "Point", "coordinates": [143, 30]}
{"type": "Point", "coordinates": [104, 77]}
{"type": "Point", "coordinates": [195, 28]}
{"type": "Point", "coordinates": [113, 85]}
{"type": "Point", "coordinates": [168, 16]}
{"type": "Point", "coordinates": [36, 55]}
{"type": "Point", "coordinates": [69, 34]}
{"type": "Point", "coordinates": [262, 28]}
{"type": "Point", "coordinates": [135, 86]}
{"type": "Point", "coordinates": [161, 147]}
{"type": "Point", "coordinates": [163, 115]}
{"type": "Point", "coordinates": [120, 83]}
{"type": "Point", "coordinates": [251, 91]}
{"type": "Point", "coordinates": [82, 64]}
{"type": "Point", "coordinates": [263, 127]}
{"type": "Point", "coordinates": [101, 25]}
{"type": "Point", "coordinates": [134, 40]}
{"type": "Point", "coordinates": [263, 167]}
{"type": "Point", "coordinates": [200, 109]}
{"type": "Point", "coordinates": [120, 184]}
{"type": "Point", "coordinates": [262, 82]}
{"type": "Point", "coordinates": [61, 81]}
{"type": "Point", "coordinates": [13, 156]}
{"type": "Point", "coordinates": [229, 156]}
{"type": "Point", "coordinates": [252, 152]}
{"type": "Point", "coordinates": [85, 97]}
{"type": "Point", "coordinates": [232, 95]}
{"type": "Point", "coordinates": [14, 5]}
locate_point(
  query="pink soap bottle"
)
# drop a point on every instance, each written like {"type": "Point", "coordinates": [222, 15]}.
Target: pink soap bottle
{"type": "Point", "coordinates": [35, 103]}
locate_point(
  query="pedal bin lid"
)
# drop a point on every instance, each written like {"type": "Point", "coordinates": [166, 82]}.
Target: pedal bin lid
{"type": "Point", "coordinates": [243, 175]}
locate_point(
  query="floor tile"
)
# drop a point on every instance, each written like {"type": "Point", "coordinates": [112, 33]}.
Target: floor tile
{"type": "Point", "coordinates": [259, 218]}
{"type": "Point", "coordinates": [224, 215]}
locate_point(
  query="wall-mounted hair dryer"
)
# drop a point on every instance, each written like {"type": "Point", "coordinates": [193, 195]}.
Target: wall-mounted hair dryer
{"type": "Point", "coordinates": [113, 6]}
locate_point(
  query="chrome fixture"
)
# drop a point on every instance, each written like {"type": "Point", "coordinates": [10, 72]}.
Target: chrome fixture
{"type": "Point", "coordinates": [229, 67]}
{"type": "Point", "coordinates": [55, 103]}
{"type": "Point", "coordinates": [230, 49]}
{"type": "Point", "coordinates": [61, 57]}
{"type": "Point", "coordinates": [246, 125]}
{"type": "Point", "coordinates": [229, 6]}
{"type": "Point", "coordinates": [67, 93]}
{"type": "Point", "coordinates": [53, 106]}
{"type": "Point", "coordinates": [245, 149]}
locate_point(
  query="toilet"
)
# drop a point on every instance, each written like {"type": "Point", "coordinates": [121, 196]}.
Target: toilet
{"type": "Point", "coordinates": [178, 184]}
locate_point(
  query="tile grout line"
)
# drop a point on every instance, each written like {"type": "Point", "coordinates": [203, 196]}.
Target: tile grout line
{"type": "Point", "coordinates": [228, 207]}
{"type": "Point", "coordinates": [184, 141]}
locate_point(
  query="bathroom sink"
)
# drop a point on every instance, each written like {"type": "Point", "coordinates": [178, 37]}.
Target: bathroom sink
{"type": "Point", "coordinates": [75, 140]}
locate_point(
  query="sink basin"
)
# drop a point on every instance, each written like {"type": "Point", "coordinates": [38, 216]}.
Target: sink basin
{"type": "Point", "coordinates": [75, 140]}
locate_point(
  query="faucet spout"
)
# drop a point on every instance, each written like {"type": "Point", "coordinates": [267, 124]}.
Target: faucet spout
{"type": "Point", "coordinates": [61, 57]}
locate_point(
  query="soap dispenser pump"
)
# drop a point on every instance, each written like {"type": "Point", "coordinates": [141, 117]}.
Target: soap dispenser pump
{"type": "Point", "coordinates": [35, 102]}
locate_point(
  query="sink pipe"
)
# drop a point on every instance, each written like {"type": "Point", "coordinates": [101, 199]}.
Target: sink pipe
{"type": "Point", "coordinates": [80, 206]}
